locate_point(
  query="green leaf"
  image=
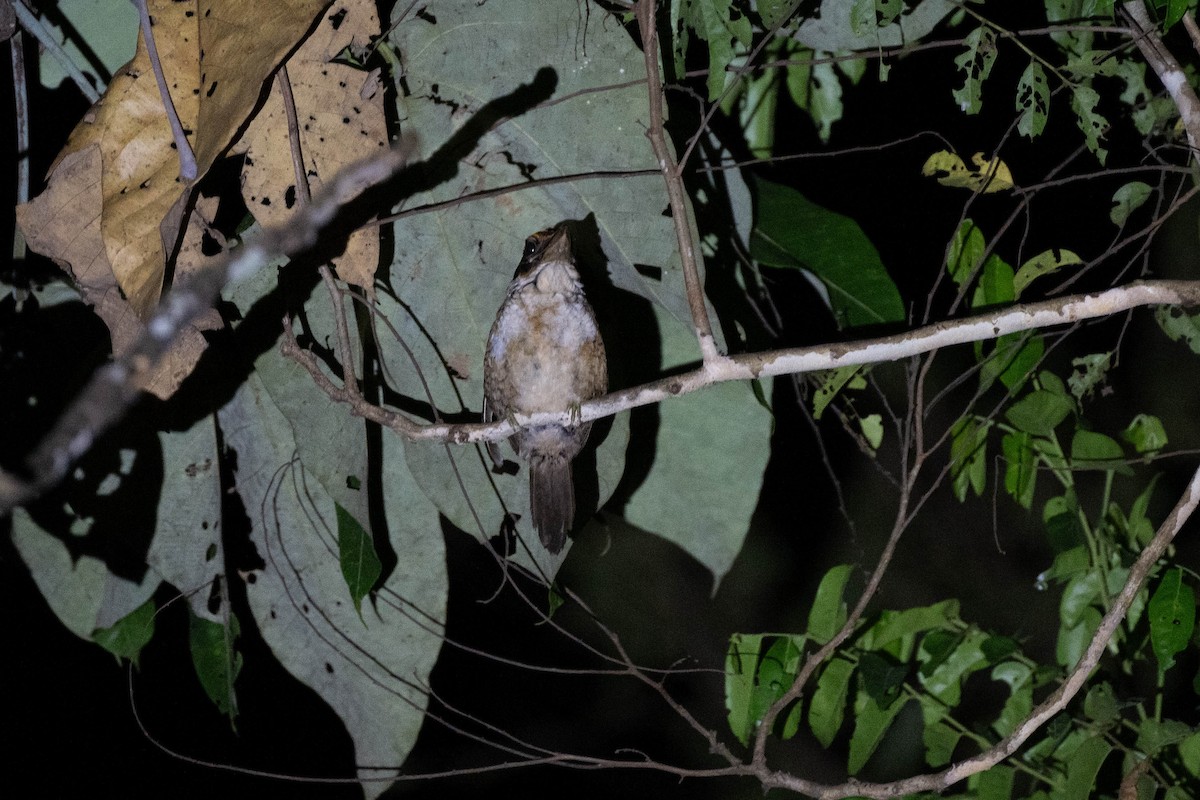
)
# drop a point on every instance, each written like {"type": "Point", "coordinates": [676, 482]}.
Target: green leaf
{"type": "Point", "coordinates": [101, 33]}
{"type": "Point", "coordinates": [1039, 412]}
{"type": "Point", "coordinates": [80, 589]}
{"type": "Point", "coordinates": [871, 722]}
{"type": "Point", "coordinates": [1179, 326]}
{"type": "Point", "coordinates": [1091, 450]}
{"type": "Point", "coordinates": [216, 660]}
{"type": "Point", "coordinates": [1082, 591]}
{"type": "Point", "coordinates": [356, 553]}
{"type": "Point", "coordinates": [710, 452]}
{"type": "Point", "coordinates": [977, 64]}
{"type": "Point", "coordinates": [1044, 263]}
{"type": "Point", "coordinates": [936, 647]}
{"type": "Point", "coordinates": [995, 285]}
{"type": "Point", "coordinates": [869, 15]}
{"type": "Point", "coordinates": [1012, 359]}
{"type": "Point", "coordinates": [828, 612]}
{"type": "Point", "coordinates": [872, 429]}
{"type": "Point", "coordinates": [945, 681]}
{"type": "Point", "coordinates": [1084, 100]}
{"type": "Point", "coordinates": [1083, 766]}
{"type": "Point", "coordinates": [832, 383]}
{"type": "Point", "coordinates": [1019, 678]}
{"type": "Point", "coordinates": [965, 252]}
{"type": "Point", "coordinates": [793, 232]}
{"type": "Point", "coordinates": [901, 624]}
{"type": "Point", "coordinates": [726, 31]}
{"type": "Point", "coordinates": [1175, 11]}
{"type": "Point", "coordinates": [1073, 641]}
{"type": "Point", "coordinates": [1155, 735]}
{"type": "Point", "coordinates": [1033, 100]}
{"type": "Point", "coordinates": [995, 784]}
{"type": "Point", "coordinates": [1100, 705]}
{"type": "Point", "coordinates": [828, 707]}
{"type": "Point", "coordinates": [1146, 434]}
{"type": "Point", "coordinates": [759, 669]}
{"type": "Point", "coordinates": [881, 676]}
{"type": "Point", "coordinates": [1020, 477]}
{"type": "Point", "coordinates": [1189, 753]}
{"type": "Point", "coordinates": [998, 648]}
{"type": "Point", "coordinates": [1128, 199]}
{"type": "Point", "coordinates": [299, 597]}
{"type": "Point", "coordinates": [1172, 617]}
{"type": "Point", "coordinates": [815, 89]}
{"type": "Point", "coordinates": [940, 739]}
{"type": "Point", "coordinates": [130, 634]}
{"type": "Point", "coordinates": [968, 452]}
{"type": "Point", "coordinates": [774, 12]}
{"type": "Point", "coordinates": [1090, 371]}
{"type": "Point", "coordinates": [1138, 525]}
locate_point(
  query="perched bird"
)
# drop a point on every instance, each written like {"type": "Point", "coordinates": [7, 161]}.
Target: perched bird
{"type": "Point", "coordinates": [545, 353]}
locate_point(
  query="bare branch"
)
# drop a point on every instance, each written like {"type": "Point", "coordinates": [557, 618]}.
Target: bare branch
{"type": "Point", "coordinates": [674, 179]}
{"type": "Point", "coordinates": [795, 360]}
{"type": "Point", "coordinates": [1166, 67]}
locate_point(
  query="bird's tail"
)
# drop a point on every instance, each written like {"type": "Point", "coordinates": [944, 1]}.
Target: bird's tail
{"type": "Point", "coordinates": [551, 499]}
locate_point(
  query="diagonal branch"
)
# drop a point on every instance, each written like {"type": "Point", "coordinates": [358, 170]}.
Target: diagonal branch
{"type": "Point", "coordinates": [1051, 706]}
{"type": "Point", "coordinates": [114, 388]}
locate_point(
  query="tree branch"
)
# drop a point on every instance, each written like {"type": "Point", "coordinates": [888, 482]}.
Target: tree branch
{"type": "Point", "coordinates": [1055, 703]}
{"type": "Point", "coordinates": [674, 180]}
{"type": "Point", "coordinates": [749, 366]}
{"type": "Point", "coordinates": [1148, 40]}
{"type": "Point", "coordinates": [114, 387]}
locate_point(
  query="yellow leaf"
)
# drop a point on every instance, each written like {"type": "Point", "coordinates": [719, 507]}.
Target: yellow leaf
{"type": "Point", "coordinates": [119, 172]}
{"type": "Point", "coordinates": [986, 176]}
{"type": "Point", "coordinates": [341, 120]}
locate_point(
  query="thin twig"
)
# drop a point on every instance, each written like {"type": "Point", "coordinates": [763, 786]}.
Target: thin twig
{"type": "Point", "coordinates": [16, 47]}
{"type": "Point", "coordinates": [187, 159]}
{"type": "Point", "coordinates": [34, 25]}
{"type": "Point", "coordinates": [674, 180]}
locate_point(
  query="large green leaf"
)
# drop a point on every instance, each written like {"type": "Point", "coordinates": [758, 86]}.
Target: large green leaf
{"type": "Point", "coordinates": [371, 675]}
{"type": "Point", "coordinates": [710, 452]}
{"type": "Point", "coordinates": [187, 550]}
{"type": "Point", "coordinates": [451, 267]}
{"type": "Point", "coordinates": [81, 589]}
{"type": "Point", "coordinates": [793, 232]}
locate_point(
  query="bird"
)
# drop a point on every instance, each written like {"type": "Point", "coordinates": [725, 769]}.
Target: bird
{"type": "Point", "coordinates": [545, 354]}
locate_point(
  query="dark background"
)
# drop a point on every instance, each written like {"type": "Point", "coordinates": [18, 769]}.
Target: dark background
{"type": "Point", "coordinates": [71, 730]}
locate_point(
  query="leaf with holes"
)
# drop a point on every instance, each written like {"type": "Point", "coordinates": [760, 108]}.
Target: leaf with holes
{"type": "Point", "coordinates": [1172, 617]}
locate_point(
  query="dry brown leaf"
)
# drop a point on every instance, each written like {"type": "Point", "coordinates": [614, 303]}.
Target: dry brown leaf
{"type": "Point", "coordinates": [125, 198]}
{"type": "Point", "coordinates": [340, 122]}
{"type": "Point", "coordinates": [80, 248]}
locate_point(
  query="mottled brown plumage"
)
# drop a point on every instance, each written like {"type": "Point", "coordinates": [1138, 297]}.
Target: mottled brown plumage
{"type": "Point", "coordinates": [544, 353]}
